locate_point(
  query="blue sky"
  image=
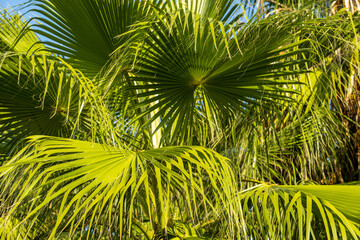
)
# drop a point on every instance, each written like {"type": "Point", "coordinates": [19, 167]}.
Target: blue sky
{"type": "Point", "coordinates": [7, 3]}
{"type": "Point", "coordinates": [12, 4]}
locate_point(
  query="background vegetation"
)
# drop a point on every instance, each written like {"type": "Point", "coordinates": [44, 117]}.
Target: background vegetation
{"type": "Point", "coordinates": [165, 119]}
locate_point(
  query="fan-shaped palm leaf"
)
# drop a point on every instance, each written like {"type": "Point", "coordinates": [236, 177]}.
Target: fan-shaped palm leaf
{"type": "Point", "coordinates": [86, 31]}
{"type": "Point", "coordinates": [189, 65]}
{"type": "Point", "coordinates": [90, 185]}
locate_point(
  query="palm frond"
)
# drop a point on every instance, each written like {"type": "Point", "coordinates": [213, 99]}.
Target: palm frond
{"type": "Point", "coordinates": [86, 31]}
{"type": "Point", "coordinates": [302, 211]}
{"type": "Point", "coordinates": [188, 65]}
{"type": "Point", "coordinates": [13, 35]}
{"type": "Point", "coordinates": [87, 185]}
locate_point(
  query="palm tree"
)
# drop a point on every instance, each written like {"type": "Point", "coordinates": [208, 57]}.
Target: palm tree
{"type": "Point", "coordinates": [174, 120]}
{"type": "Point", "coordinates": [347, 101]}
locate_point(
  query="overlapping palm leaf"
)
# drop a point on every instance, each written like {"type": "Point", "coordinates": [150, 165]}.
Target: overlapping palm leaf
{"type": "Point", "coordinates": [189, 65]}
{"type": "Point", "coordinates": [12, 26]}
{"type": "Point", "coordinates": [26, 108]}
{"type": "Point", "coordinates": [86, 31]}
{"type": "Point", "coordinates": [302, 211]}
{"type": "Point", "coordinates": [28, 89]}
{"type": "Point", "coordinates": [10, 229]}
{"type": "Point", "coordinates": [286, 149]}
{"type": "Point", "coordinates": [191, 71]}
{"type": "Point", "coordinates": [88, 185]}
{"type": "Point", "coordinates": [304, 139]}
{"type": "Point", "coordinates": [7, 230]}
{"type": "Point", "coordinates": [218, 10]}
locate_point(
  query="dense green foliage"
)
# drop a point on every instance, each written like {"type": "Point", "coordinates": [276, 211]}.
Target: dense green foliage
{"type": "Point", "coordinates": [165, 119]}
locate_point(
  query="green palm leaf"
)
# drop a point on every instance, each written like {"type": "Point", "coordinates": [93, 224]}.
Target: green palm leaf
{"type": "Point", "coordinates": [188, 65]}
{"type": "Point", "coordinates": [86, 31]}
{"type": "Point", "coordinates": [39, 96]}
{"type": "Point", "coordinates": [7, 230]}
{"type": "Point", "coordinates": [12, 27]}
{"type": "Point", "coordinates": [302, 211]}
{"type": "Point", "coordinates": [275, 95]}
{"type": "Point", "coordinates": [90, 185]}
